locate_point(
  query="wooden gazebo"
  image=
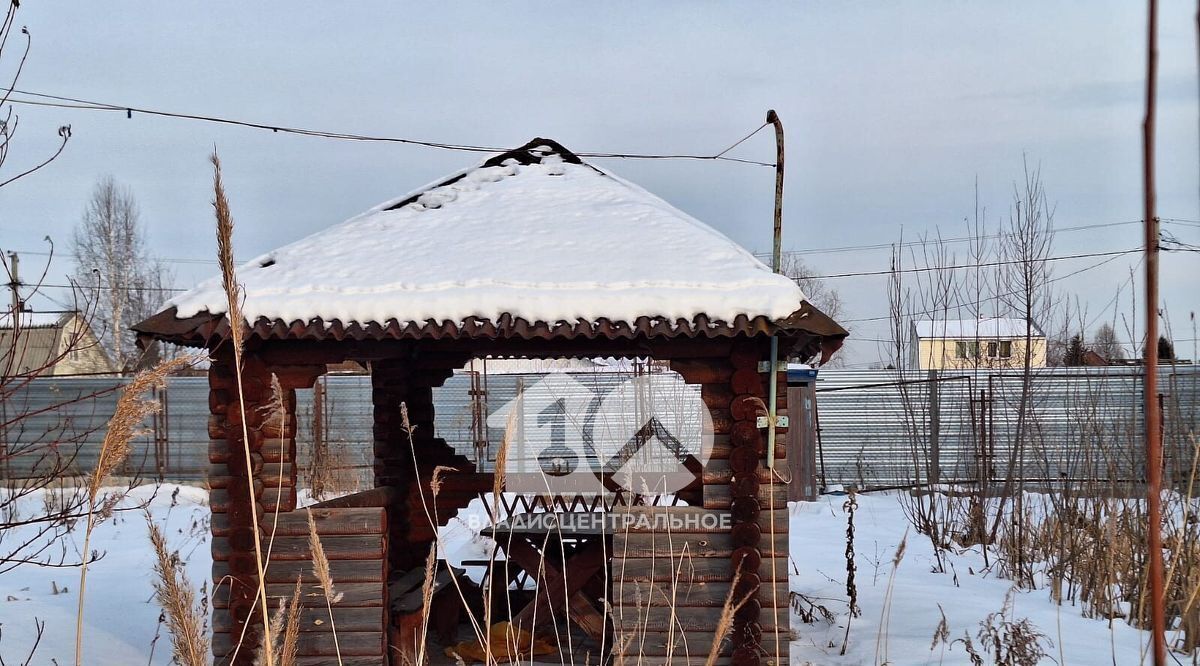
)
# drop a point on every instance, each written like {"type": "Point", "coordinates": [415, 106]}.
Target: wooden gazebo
{"type": "Point", "coordinates": [534, 254]}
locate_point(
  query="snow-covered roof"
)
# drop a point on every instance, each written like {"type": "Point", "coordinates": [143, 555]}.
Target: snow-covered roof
{"type": "Point", "coordinates": [969, 329]}
{"type": "Point", "coordinates": [534, 234]}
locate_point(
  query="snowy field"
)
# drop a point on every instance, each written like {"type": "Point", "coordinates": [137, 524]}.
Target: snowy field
{"type": "Point", "coordinates": [122, 620]}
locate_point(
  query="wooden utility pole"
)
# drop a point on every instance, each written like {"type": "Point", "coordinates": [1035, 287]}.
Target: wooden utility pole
{"type": "Point", "coordinates": [1150, 387]}
{"type": "Point", "coordinates": [777, 266]}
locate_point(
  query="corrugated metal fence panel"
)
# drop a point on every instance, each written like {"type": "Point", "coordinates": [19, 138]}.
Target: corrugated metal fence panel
{"type": "Point", "coordinates": [454, 415]}
{"type": "Point", "coordinates": [876, 426]}
{"type": "Point", "coordinates": [63, 421]}
{"type": "Point", "coordinates": [186, 453]}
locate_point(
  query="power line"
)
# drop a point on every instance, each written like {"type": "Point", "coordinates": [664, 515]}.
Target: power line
{"type": "Point", "coordinates": [985, 300]}
{"type": "Point", "coordinates": [987, 264]}
{"type": "Point", "coordinates": [76, 103]}
{"type": "Point", "coordinates": [1113, 301]}
{"type": "Point", "coordinates": [1118, 342]}
{"type": "Point", "coordinates": [107, 287]}
{"type": "Point", "coordinates": [831, 250]}
{"type": "Point", "coordinates": [962, 239]}
{"type": "Point", "coordinates": [939, 241]}
{"type": "Point", "coordinates": [172, 260]}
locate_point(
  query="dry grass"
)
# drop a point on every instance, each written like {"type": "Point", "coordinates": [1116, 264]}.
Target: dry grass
{"type": "Point", "coordinates": [283, 648]}
{"type": "Point", "coordinates": [233, 296]}
{"type": "Point", "coordinates": [133, 408]}
{"type": "Point", "coordinates": [725, 621]}
{"type": "Point", "coordinates": [426, 602]}
{"type": "Point", "coordinates": [291, 630]}
{"type": "Point", "coordinates": [324, 578]}
{"type": "Point", "coordinates": [177, 598]}
{"type": "Point", "coordinates": [330, 470]}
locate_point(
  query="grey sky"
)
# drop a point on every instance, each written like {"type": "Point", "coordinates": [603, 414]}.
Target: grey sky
{"type": "Point", "coordinates": [892, 112]}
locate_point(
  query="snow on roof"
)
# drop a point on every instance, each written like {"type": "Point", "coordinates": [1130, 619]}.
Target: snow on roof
{"type": "Point", "coordinates": [534, 233]}
{"type": "Point", "coordinates": [967, 329]}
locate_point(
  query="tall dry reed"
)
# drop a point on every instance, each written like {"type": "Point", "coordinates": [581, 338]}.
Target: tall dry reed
{"type": "Point", "coordinates": [177, 598]}
{"type": "Point", "coordinates": [324, 578]}
{"type": "Point", "coordinates": [725, 620]}
{"type": "Point", "coordinates": [236, 320]}
{"type": "Point", "coordinates": [283, 648]}
{"type": "Point", "coordinates": [133, 408]}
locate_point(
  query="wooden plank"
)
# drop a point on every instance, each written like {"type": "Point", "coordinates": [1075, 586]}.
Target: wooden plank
{"type": "Point", "coordinates": [682, 647]}
{"type": "Point", "coordinates": [679, 645]}
{"type": "Point", "coordinates": [718, 471]}
{"type": "Point", "coordinates": [295, 523]}
{"type": "Point", "coordinates": [316, 619]}
{"type": "Point", "coordinates": [692, 619]}
{"type": "Point", "coordinates": [271, 474]}
{"type": "Point", "coordinates": [688, 569]}
{"type": "Point", "coordinates": [350, 643]}
{"type": "Point", "coordinates": [351, 595]}
{"type": "Point", "coordinates": [694, 545]}
{"type": "Point", "coordinates": [278, 499]}
{"type": "Point", "coordinates": [330, 522]}
{"type": "Point", "coordinates": [719, 496]}
{"type": "Point", "coordinates": [346, 661]}
{"type": "Point", "coordinates": [723, 446]}
{"type": "Point", "coordinates": [676, 660]}
{"type": "Point", "coordinates": [375, 497]}
{"type": "Point", "coordinates": [342, 571]}
{"type": "Point", "coordinates": [219, 501]}
{"type": "Point", "coordinates": [683, 594]}
{"type": "Point", "coordinates": [365, 547]}
{"type": "Point", "coordinates": [691, 647]}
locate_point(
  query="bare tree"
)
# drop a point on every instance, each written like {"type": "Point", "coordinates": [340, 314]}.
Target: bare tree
{"type": "Point", "coordinates": [35, 458]}
{"type": "Point", "coordinates": [825, 297]}
{"type": "Point", "coordinates": [121, 282]}
{"type": "Point", "coordinates": [9, 119]}
{"type": "Point", "coordinates": [1105, 343]}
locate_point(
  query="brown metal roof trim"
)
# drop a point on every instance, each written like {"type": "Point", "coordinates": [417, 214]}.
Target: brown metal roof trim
{"type": "Point", "coordinates": [204, 329]}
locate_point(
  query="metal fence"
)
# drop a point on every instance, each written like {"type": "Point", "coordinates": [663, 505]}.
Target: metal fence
{"type": "Point", "coordinates": [877, 428]}
{"type": "Point", "coordinates": [881, 428]}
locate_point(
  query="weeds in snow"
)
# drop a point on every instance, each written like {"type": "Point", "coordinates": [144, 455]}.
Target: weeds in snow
{"type": "Point", "coordinates": [186, 621]}
{"type": "Point", "coordinates": [133, 407]}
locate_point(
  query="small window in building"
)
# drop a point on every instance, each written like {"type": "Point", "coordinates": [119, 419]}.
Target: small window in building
{"type": "Point", "coordinates": [999, 349]}
{"type": "Point", "coordinates": [966, 349]}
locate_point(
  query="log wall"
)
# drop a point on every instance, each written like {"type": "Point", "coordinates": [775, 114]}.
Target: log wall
{"type": "Point", "coordinates": [240, 491]}
{"type": "Point", "coordinates": [671, 588]}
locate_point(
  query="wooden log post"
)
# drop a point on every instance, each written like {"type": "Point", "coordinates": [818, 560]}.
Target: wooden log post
{"type": "Point", "coordinates": [741, 482]}
{"type": "Point", "coordinates": [410, 382]}
{"type": "Point", "coordinates": [390, 387]}
{"type": "Point", "coordinates": [271, 425]}
{"type": "Point", "coordinates": [238, 493]}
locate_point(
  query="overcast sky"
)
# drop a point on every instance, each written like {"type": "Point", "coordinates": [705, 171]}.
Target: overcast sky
{"type": "Point", "coordinates": [892, 112]}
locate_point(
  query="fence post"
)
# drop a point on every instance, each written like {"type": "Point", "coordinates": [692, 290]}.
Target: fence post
{"type": "Point", "coordinates": [935, 426]}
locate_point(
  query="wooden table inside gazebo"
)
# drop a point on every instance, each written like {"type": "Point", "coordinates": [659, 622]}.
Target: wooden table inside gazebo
{"type": "Point", "coordinates": [563, 553]}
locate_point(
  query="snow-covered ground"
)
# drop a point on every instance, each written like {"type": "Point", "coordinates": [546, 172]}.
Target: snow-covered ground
{"type": "Point", "coordinates": [122, 620]}
{"type": "Point", "coordinates": [120, 614]}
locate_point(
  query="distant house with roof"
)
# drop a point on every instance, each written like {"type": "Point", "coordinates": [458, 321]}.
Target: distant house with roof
{"type": "Point", "coordinates": [992, 342]}
{"type": "Point", "coordinates": [51, 344]}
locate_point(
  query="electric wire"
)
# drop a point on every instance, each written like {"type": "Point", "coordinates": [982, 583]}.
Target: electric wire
{"type": "Point", "coordinates": [63, 101]}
